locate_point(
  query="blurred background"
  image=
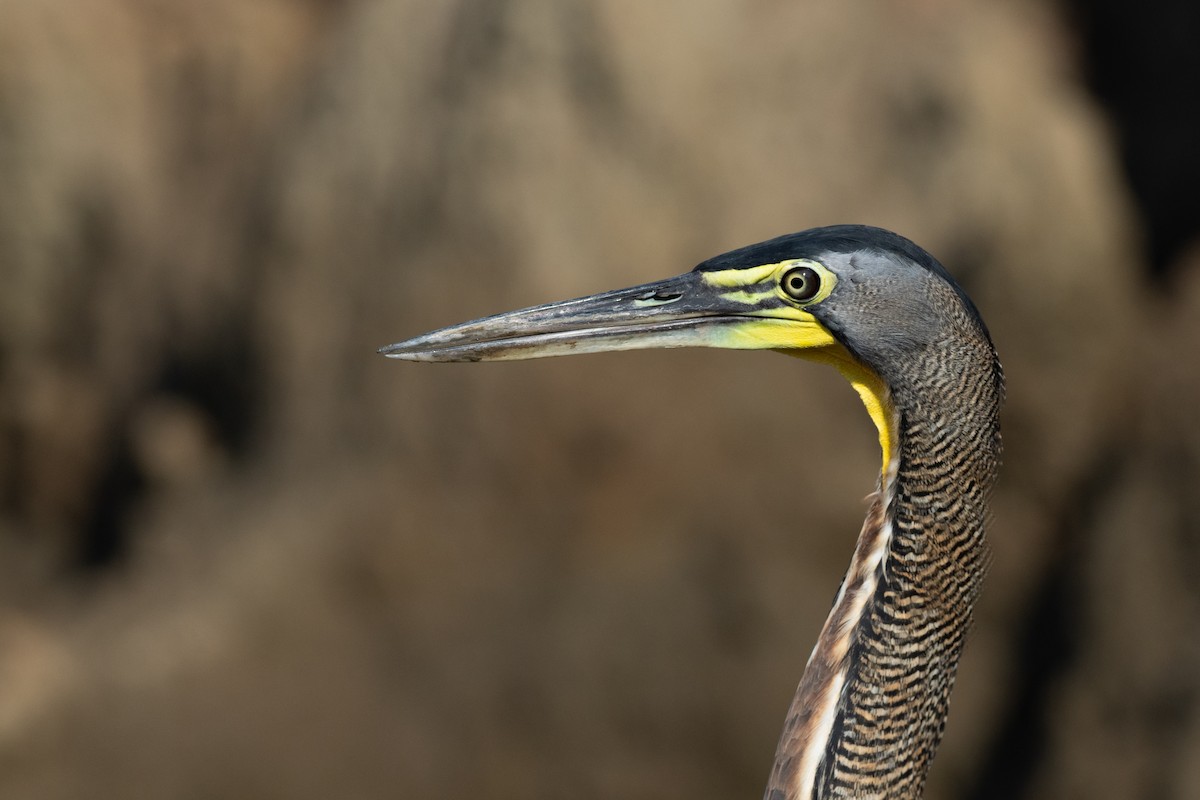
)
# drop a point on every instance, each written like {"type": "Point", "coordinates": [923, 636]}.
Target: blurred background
{"type": "Point", "coordinates": [241, 555]}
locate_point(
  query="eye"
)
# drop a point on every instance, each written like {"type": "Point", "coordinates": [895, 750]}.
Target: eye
{"type": "Point", "coordinates": [801, 284]}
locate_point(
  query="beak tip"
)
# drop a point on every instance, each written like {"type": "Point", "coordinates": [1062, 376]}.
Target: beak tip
{"type": "Point", "coordinates": [393, 351]}
{"type": "Point", "coordinates": [406, 351]}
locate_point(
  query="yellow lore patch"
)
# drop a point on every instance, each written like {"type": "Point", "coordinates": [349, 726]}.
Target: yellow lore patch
{"type": "Point", "coordinates": [758, 283]}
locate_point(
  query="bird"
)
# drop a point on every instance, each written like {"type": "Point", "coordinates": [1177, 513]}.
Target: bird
{"type": "Point", "coordinates": [871, 705]}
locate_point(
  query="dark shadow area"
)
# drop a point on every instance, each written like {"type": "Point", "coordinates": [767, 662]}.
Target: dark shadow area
{"type": "Point", "coordinates": [104, 537]}
{"type": "Point", "coordinates": [1142, 62]}
{"type": "Point", "coordinates": [220, 383]}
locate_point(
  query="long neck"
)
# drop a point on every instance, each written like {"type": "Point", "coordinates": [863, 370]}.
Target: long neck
{"type": "Point", "coordinates": [869, 712]}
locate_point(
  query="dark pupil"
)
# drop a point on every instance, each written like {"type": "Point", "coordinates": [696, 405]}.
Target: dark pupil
{"type": "Point", "coordinates": [801, 284]}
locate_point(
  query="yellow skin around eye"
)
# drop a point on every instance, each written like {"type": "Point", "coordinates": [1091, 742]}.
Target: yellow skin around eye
{"type": "Point", "coordinates": [755, 284]}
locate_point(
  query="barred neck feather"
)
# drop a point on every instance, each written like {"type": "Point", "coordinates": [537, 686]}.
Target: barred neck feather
{"type": "Point", "coordinates": [871, 707]}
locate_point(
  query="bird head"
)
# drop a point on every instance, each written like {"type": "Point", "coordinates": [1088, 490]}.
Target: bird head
{"type": "Point", "coordinates": [862, 299]}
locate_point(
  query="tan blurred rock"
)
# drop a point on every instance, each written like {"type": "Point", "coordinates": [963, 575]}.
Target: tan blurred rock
{"type": "Point", "coordinates": [37, 675]}
{"type": "Point", "coordinates": [347, 577]}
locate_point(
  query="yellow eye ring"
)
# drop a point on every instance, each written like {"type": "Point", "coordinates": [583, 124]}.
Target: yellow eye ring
{"type": "Point", "coordinates": [801, 284]}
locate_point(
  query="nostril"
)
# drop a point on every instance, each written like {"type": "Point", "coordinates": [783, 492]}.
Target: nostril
{"type": "Point", "coordinates": [661, 297]}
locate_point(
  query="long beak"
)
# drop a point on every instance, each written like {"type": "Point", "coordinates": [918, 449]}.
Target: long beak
{"type": "Point", "coordinates": [685, 311]}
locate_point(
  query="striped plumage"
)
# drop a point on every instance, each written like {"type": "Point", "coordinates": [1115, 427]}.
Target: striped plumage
{"type": "Point", "coordinates": [904, 645]}
{"type": "Point", "coordinates": [871, 706]}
